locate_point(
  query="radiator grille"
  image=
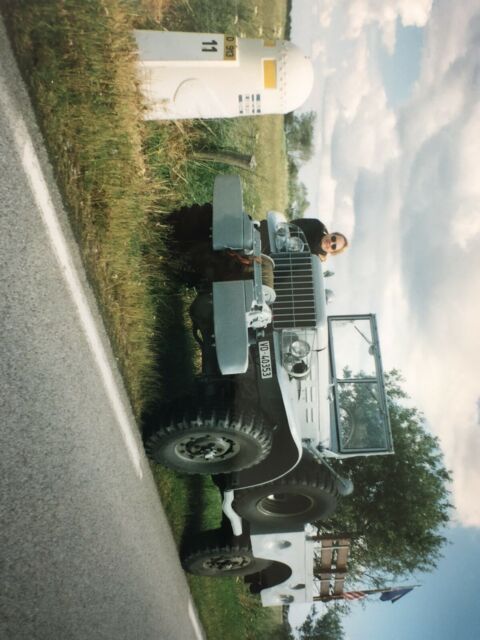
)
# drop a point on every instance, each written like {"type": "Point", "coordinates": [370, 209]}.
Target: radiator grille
{"type": "Point", "coordinates": [293, 283]}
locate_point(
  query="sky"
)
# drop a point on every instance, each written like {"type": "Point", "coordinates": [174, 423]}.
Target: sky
{"type": "Point", "coordinates": [397, 169]}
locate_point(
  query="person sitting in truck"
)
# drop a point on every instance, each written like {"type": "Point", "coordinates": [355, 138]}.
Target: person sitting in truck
{"type": "Point", "coordinates": [190, 234]}
{"type": "Point", "coordinates": [320, 241]}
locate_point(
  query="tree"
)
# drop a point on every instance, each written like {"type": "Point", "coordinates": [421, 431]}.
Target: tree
{"type": "Point", "coordinates": [400, 502]}
{"type": "Point", "coordinates": [297, 192]}
{"type": "Point", "coordinates": [281, 632]}
{"type": "Point", "coordinates": [299, 135]}
{"type": "Point", "coordinates": [327, 627]}
{"type": "Point", "coordinates": [300, 146]}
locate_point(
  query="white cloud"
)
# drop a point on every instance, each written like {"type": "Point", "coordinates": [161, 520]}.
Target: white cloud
{"type": "Point", "coordinates": [405, 187]}
{"type": "Point", "coordinates": [318, 51]}
{"type": "Point", "coordinates": [440, 130]}
{"type": "Point", "coordinates": [465, 223]}
{"type": "Point", "coordinates": [325, 13]}
{"type": "Point", "coordinates": [384, 14]}
{"type": "Point", "coordinates": [441, 381]}
{"type": "Point", "coordinates": [356, 129]}
{"type": "Point", "coordinates": [369, 139]}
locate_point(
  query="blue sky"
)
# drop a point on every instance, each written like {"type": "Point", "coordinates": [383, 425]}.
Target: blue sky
{"type": "Point", "coordinates": [397, 96]}
{"type": "Point", "coordinates": [443, 607]}
{"type": "Point", "coordinates": [400, 69]}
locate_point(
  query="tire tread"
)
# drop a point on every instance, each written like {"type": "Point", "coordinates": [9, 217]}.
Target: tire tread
{"type": "Point", "coordinates": [182, 420]}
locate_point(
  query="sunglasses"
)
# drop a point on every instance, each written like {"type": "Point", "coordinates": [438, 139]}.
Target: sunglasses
{"type": "Point", "coordinates": [333, 242]}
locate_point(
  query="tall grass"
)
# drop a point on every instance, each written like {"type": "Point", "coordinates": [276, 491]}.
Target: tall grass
{"type": "Point", "coordinates": [78, 59]}
{"type": "Point", "coordinates": [119, 175]}
{"type": "Point", "coordinates": [247, 18]}
{"type": "Point", "coordinates": [262, 137]}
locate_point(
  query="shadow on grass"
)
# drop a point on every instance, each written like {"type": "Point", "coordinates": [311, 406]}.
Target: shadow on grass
{"type": "Point", "coordinates": [205, 526]}
{"type": "Point", "coordinates": [176, 351]}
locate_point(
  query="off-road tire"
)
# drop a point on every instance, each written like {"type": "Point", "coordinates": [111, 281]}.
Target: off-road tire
{"type": "Point", "coordinates": [210, 440]}
{"type": "Point", "coordinates": [306, 494]}
{"type": "Point", "coordinates": [217, 556]}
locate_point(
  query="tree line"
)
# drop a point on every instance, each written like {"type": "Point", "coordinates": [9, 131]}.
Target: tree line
{"type": "Point", "coordinates": [299, 136]}
{"type": "Point", "coordinates": [395, 517]}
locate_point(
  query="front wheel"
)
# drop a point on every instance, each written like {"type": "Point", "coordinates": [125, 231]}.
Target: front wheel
{"type": "Point", "coordinates": [210, 440]}
{"type": "Point", "coordinates": [306, 494]}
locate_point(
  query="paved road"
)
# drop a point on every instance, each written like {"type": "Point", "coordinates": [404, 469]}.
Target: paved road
{"type": "Point", "coordinates": [85, 547]}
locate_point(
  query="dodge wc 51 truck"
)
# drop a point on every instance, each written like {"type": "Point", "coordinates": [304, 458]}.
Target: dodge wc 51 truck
{"type": "Point", "coordinates": [285, 391]}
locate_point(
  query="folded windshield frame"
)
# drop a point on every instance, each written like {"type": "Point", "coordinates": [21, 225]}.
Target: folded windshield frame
{"type": "Point", "coordinates": [360, 422]}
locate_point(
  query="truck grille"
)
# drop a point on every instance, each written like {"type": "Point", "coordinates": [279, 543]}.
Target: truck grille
{"type": "Point", "coordinates": [293, 283]}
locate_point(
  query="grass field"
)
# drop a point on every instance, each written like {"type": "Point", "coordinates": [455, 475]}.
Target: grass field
{"type": "Point", "coordinates": [118, 176]}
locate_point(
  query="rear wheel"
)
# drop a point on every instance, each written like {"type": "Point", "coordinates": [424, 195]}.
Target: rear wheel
{"type": "Point", "coordinates": [307, 494]}
{"type": "Point", "coordinates": [210, 440]}
{"type": "Point", "coordinates": [215, 555]}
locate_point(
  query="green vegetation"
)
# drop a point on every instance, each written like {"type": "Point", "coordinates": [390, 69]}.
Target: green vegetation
{"type": "Point", "coordinates": [299, 132]}
{"type": "Point", "coordinates": [325, 627]}
{"type": "Point", "coordinates": [246, 18]}
{"type": "Point", "coordinates": [77, 61]}
{"type": "Point", "coordinates": [119, 176]}
{"type": "Point", "coordinates": [400, 504]}
{"type": "Point", "coordinates": [263, 137]}
{"type": "Point", "coordinates": [230, 601]}
{"type": "Point", "coordinates": [300, 147]}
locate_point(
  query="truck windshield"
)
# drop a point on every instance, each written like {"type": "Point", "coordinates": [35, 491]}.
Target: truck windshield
{"type": "Point", "coordinates": [362, 424]}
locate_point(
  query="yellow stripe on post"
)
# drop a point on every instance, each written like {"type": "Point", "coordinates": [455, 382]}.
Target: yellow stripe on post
{"type": "Point", "coordinates": [270, 74]}
{"type": "Point", "coordinates": [230, 48]}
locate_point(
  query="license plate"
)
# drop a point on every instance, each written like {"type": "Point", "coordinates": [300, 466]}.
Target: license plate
{"type": "Point", "coordinates": [265, 359]}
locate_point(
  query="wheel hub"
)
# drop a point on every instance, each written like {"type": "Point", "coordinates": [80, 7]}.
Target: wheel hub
{"type": "Point", "coordinates": [285, 504]}
{"type": "Point", "coordinates": [225, 563]}
{"type": "Point", "coordinates": [206, 447]}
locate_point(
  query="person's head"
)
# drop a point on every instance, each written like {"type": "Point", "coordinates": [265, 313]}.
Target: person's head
{"type": "Point", "coordinates": [333, 243]}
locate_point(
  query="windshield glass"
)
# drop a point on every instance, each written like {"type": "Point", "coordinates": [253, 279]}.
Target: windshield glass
{"type": "Point", "coordinates": [353, 348]}
{"type": "Point", "coordinates": [362, 421]}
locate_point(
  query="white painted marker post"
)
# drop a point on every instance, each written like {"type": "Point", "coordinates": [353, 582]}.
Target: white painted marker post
{"type": "Point", "coordinates": [211, 75]}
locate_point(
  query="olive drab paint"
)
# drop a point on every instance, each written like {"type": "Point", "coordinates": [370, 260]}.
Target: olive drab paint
{"type": "Point", "coordinates": [212, 75]}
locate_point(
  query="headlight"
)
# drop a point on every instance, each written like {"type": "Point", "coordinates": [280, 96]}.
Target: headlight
{"type": "Point", "coordinates": [295, 243]}
{"type": "Point", "coordinates": [288, 237]}
{"type": "Point", "coordinates": [300, 348]}
{"type": "Point", "coordinates": [281, 236]}
{"type": "Point", "coordinates": [299, 370]}
{"type": "Point", "coordinates": [296, 353]}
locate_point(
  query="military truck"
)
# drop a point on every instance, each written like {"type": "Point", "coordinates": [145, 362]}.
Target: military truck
{"type": "Point", "coordinates": [285, 390]}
